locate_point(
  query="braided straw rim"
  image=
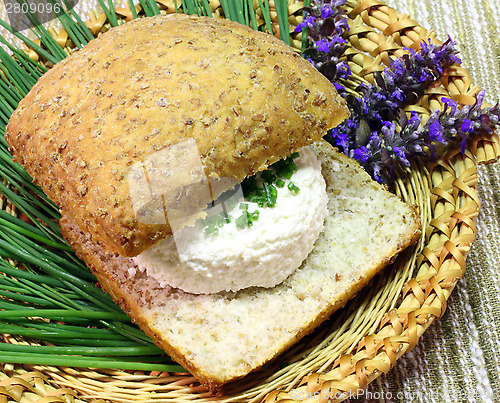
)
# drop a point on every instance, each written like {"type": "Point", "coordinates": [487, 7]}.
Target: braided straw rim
{"type": "Point", "coordinates": [365, 340]}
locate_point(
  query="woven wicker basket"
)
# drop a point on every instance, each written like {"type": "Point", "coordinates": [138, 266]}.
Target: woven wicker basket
{"type": "Point", "coordinates": [365, 338]}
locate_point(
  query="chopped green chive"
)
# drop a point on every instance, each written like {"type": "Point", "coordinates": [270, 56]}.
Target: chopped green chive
{"type": "Point", "coordinates": [293, 188]}
{"type": "Point", "coordinates": [285, 168]}
{"type": "Point", "coordinates": [261, 189]}
{"type": "Point", "coordinates": [246, 219]}
{"type": "Point", "coordinates": [212, 223]}
{"type": "Point", "coordinates": [271, 195]}
{"type": "Point", "coordinates": [242, 221]}
{"type": "Point", "coordinates": [268, 176]}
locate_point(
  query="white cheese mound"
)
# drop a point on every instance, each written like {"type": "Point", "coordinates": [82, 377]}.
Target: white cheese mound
{"type": "Point", "coordinates": [262, 255]}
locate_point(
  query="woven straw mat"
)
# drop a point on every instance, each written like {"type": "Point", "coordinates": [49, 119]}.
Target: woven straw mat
{"type": "Point", "coordinates": [455, 360]}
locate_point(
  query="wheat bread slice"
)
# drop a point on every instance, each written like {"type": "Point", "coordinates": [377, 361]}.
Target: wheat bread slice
{"type": "Point", "coordinates": [222, 337]}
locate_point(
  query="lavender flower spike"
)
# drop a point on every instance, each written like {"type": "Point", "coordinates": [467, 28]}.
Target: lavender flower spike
{"type": "Point", "coordinates": [457, 126]}
{"type": "Point", "coordinates": [325, 44]}
{"type": "Point", "coordinates": [378, 133]}
{"type": "Point", "coordinates": [407, 78]}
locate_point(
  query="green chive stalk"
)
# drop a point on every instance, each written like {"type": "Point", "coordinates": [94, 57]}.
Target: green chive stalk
{"type": "Point", "coordinates": [49, 295]}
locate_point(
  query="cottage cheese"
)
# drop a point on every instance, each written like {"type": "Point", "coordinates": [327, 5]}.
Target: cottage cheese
{"type": "Point", "coordinates": [261, 255]}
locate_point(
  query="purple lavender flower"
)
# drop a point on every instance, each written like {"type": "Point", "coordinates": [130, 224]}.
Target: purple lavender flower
{"type": "Point", "coordinates": [436, 131]}
{"type": "Point", "coordinates": [377, 105]}
{"type": "Point", "coordinates": [440, 55]}
{"type": "Point", "coordinates": [375, 141]}
{"type": "Point", "coordinates": [378, 133]}
{"type": "Point", "coordinates": [376, 173]}
{"type": "Point", "coordinates": [308, 22]}
{"type": "Point", "coordinates": [362, 154]}
{"type": "Point", "coordinates": [341, 26]}
{"type": "Point", "coordinates": [398, 144]}
{"type": "Point", "coordinates": [339, 87]}
{"type": "Point", "coordinates": [398, 94]}
{"type": "Point", "coordinates": [408, 77]}
{"type": "Point", "coordinates": [467, 126]}
{"type": "Point", "coordinates": [325, 46]}
{"type": "Point", "coordinates": [451, 104]}
{"type": "Point", "coordinates": [401, 154]}
{"type": "Point", "coordinates": [327, 12]}
{"type": "Point", "coordinates": [343, 70]}
{"type": "Point", "coordinates": [459, 125]}
{"type": "Point", "coordinates": [342, 140]}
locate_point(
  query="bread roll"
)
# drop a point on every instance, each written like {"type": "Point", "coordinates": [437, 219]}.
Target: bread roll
{"type": "Point", "coordinates": [175, 105]}
{"type": "Point", "coordinates": [153, 97]}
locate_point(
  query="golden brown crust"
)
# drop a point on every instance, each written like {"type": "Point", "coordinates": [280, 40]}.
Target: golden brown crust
{"type": "Point", "coordinates": [243, 96]}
